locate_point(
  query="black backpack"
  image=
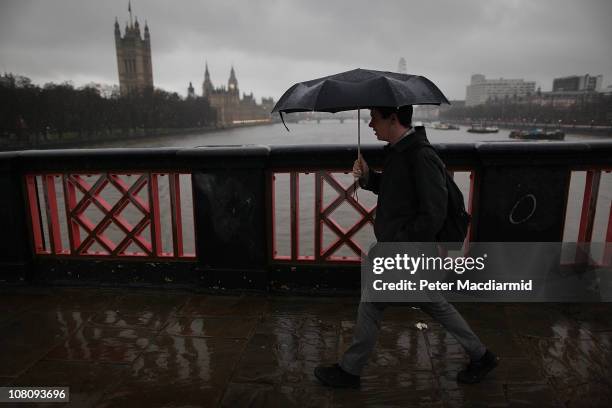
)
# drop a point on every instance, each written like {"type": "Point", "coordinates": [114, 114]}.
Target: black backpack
{"type": "Point", "coordinates": [455, 227]}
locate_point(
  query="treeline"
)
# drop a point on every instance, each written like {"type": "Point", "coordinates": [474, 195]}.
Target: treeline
{"type": "Point", "coordinates": [58, 110]}
{"type": "Point", "coordinates": [597, 111]}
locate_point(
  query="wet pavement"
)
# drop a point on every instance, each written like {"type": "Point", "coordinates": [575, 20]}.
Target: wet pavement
{"type": "Point", "coordinates": [154, 348]}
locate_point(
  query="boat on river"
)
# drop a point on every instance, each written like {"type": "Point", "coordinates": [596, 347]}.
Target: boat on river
{"type": "Point", "coordinates": [444, 126]}
{"type": "Point", "coordinates": [480, 128]}
{"type": "Point", "coordinates": [537, 134]}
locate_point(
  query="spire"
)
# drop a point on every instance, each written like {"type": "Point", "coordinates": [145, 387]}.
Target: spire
{"type": "Point", "coordinates": [401, 66]}
{"type": "Point", "coordinates": [232, 84]}
{"type": "Point", "coordinates": [207, 87]}
{"type": "Point", "coordinates": [117, 30]}
{"type": "Point", "coordinates": [130, 10]}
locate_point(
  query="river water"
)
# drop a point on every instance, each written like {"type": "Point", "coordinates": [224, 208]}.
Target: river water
{"type": "Point", "coordinates": [330, 132]}
{"type": "Point", "coordinates": [327, 132]}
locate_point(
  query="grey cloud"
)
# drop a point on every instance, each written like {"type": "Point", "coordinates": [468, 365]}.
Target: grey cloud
{"type": "Point", "coordinates": [274, 43]}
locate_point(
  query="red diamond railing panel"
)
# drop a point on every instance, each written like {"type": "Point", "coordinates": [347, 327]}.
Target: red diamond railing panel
{"type": "Point", "coordinates": [323, 215]}
{"type": "Point", "coordinates": [131, 221]}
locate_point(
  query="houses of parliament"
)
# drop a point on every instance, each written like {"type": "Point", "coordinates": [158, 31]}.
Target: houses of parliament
{"type": "Point", "coordinates": [135, 72]}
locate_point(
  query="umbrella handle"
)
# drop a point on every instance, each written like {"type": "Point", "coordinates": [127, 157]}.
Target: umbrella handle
{"type": "Point", "coordinates": [283, 119]}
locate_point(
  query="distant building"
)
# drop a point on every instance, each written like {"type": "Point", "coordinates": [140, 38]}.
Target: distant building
{"type": "Point", "coordinates": [230, 108]}
{"type": "Point", "coordinates": [480, 90]}
{"type": "Point", "coordinates": [563, 99]}
{"type": "Point", "coordinates": [570, 91]}
{"type": "Point", "coordinates": [575, 83]}
{"type": "Point", "coordinates": [453, 104]}
{"type": "Point", "coordinates": [401, 66]}
{"type": "Point", "coordinates": [426, 112]}
{"type": "Point", "coordinates": [267, 104]}
{"type": "Point", "coordinates": [224, 100]}
{"type": "Point", "coordinates": [434, 112]}
{"type": "Point", "coordinates": [190, 91]}
{"type": "Point", "coordinates": [133, 57]}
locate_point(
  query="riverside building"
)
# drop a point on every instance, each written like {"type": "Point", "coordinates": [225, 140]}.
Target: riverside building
{"type": "Point", "coordinates": [575, 83]}
{"type": "Point", "coordinates": [133, 57]}
{"type": "Point", "coordinates": [231, 109]}
{"type": "Point", "coordinates": [135, 72]}
{"type": "Point", "coordinates": [480, 90]}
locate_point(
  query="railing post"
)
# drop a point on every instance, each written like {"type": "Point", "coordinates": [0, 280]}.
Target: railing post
{"type": "Point", "coordinates": [520, 198]}
{"type": "Point", "coordinates": [589, 205]}
{"type": "Point", "coordinates": [229, 201]}
{"type": "Point", "coordinates": [15, 248]}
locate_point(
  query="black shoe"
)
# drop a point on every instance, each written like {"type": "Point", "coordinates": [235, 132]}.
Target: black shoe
{"type": "Point", "coordinates": [476, 370]}
{"type": "Point", "coordinates": [336, 377]}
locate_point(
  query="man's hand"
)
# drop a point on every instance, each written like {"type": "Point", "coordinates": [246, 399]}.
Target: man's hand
{"type": "Point", "coordinates": [361, 169]}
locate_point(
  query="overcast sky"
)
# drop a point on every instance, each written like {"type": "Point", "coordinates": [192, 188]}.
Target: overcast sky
{"type": "Point", "coordinates": [275, 43]}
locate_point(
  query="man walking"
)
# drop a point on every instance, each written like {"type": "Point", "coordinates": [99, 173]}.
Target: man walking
{"type": "Point", "coordinates": [412, 204]}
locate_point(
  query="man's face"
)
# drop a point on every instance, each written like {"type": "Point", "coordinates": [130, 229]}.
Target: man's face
{"type": "Point", "coordinates": [381, 126]}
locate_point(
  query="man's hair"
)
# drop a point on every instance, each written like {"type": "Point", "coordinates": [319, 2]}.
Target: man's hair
{"type": "Point", "coordinates": [404, 114]}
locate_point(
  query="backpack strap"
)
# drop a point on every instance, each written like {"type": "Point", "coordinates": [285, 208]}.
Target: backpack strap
{"type": "Point", "coordinates": [424, 144]}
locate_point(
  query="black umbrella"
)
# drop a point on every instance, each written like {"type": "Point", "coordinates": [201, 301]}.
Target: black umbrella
{"type": "Point", "coordinates": [359, 89]}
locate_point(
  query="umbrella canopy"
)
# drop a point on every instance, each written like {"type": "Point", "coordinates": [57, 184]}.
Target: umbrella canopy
{"type": "Point", "coordinates": [359, 89]}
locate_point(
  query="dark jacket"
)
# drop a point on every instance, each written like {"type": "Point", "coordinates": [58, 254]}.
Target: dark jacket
{"type": "Point", "coordinates": [412, 194]}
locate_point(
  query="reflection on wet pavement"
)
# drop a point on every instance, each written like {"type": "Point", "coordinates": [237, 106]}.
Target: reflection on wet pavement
{"type": "Point", "coordinates": [130, 348]}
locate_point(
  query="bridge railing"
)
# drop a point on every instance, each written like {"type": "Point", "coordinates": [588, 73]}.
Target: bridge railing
{"type": "Point", "coordinates": [60, 209]}
{"type": "Point", "coordinates": [251, 216]}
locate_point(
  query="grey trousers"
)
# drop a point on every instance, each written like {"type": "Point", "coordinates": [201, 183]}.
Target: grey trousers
{"type": "Point", "coordinates": [369, 317]}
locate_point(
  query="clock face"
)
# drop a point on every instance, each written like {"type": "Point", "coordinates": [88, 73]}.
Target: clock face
{"type": "Point", "coordinates": [231, 86]}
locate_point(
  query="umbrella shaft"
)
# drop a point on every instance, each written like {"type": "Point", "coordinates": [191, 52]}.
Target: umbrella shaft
{"type": "Point", "coordinates": [358, 133]}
